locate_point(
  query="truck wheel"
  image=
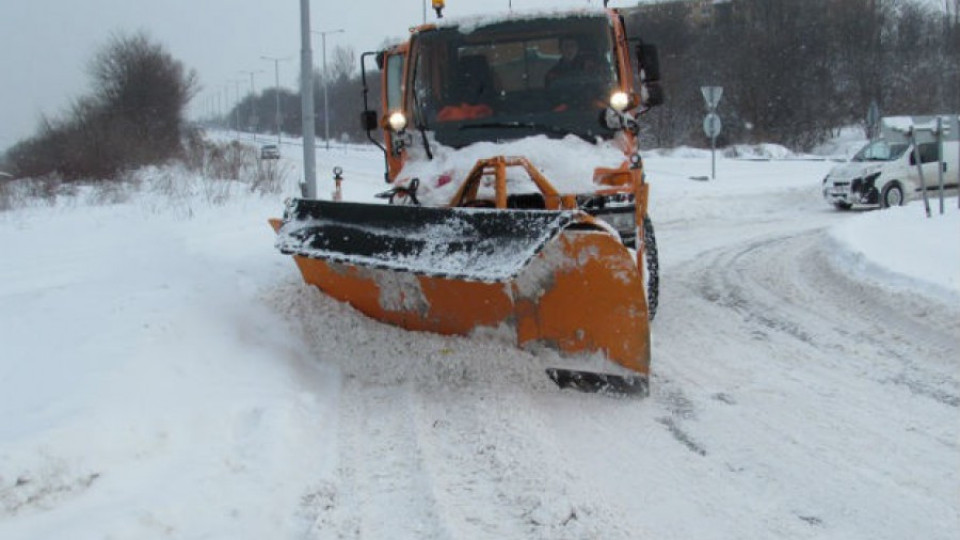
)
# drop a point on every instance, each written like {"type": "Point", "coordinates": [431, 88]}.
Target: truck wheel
{"type": "Point", "coordinates": [842, 205]}
{"type": "Point", "coordinates": [892, 195]}
{"type": "Point", "coordinates": [652, 265]}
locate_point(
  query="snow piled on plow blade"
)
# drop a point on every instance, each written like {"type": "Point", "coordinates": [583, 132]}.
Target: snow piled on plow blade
{"type": "Point", "coordinates": [481, 245]}
{"type": "Point", "coordinates": [547, 278]}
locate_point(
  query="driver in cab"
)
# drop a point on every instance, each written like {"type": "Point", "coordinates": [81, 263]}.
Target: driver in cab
{"type": "Point", "coordinates": [571, 64]}
{"type": "Point", "coordinates": [571, 74]}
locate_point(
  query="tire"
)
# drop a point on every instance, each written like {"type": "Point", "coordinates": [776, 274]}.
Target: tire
{"type": "Point", "coordinates": [652, 264]}
{"type": "Point", "coordinates": [842, 206]}
{"type": "Point", "coordinates": [892, 195]}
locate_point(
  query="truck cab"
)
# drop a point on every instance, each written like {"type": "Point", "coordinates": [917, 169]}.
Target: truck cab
{"type": "Point", "coordinates": [453, 87]}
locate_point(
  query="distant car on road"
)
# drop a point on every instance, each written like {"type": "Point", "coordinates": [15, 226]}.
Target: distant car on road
{"type": "Point", "coordinates": [269, 151]}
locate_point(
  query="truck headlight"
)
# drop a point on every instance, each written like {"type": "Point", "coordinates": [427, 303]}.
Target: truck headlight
{"type": "Point", "coordinates": [619, 101]}
{"type": "Point", "coordinates": [397, 121]}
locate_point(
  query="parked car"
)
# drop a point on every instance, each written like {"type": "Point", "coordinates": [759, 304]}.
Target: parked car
{"type": "Point", "coordinates": [884, 173]}
{"type": "Point", "coordinates": [269, 151]}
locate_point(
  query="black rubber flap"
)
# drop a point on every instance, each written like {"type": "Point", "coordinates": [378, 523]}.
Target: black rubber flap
{"type": "Point", "coordinates": [469, 244]}
{"type": "Point", "coordinates": [600, 383]}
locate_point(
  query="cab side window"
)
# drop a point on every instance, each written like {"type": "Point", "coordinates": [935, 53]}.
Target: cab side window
{"type": "Point", "coordinates": [394, 81]}
{"type": "Point", "coordinates": [929, 153]}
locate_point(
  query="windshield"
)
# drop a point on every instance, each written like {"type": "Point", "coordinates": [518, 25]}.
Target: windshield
{"type": "Point", "coordinates": [880, 151]}
{"type": "Point", "coordinates": [514, 79]}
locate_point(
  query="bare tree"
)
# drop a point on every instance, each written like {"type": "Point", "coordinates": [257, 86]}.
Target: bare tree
{"type": "Point", "coordinates": [344, 63]}
{"type": "Point", "coordinates": [133, 118]}
{"type": "Point", "coordinates": [140, 86]}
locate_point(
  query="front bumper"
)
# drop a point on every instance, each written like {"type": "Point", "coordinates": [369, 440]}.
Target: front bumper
{"type": "Point", "coordinates": [850, 192]}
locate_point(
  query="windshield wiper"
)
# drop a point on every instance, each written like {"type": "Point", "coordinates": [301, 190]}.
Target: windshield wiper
{"type": "Point", "coordinates": [421, 124]}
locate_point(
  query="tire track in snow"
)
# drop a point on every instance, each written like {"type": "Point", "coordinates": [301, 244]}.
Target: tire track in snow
{"type": "Point", "coordinates": [427, 461]}
{"type": "Point", "coordinates": [382, 489]}
{"type": "Point", "coordinates": [442, 437]}
{"type": "Point", "coordinates": [787, 286]}
{"type": "Point", "coordinates": [767, 337]}
{"type": "Point", "coordinates": [504, 473]}
{"type": "Point", "coordinates": [428, 445]}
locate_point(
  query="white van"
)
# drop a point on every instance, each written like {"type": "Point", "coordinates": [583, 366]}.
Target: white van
{"type": "Point", "coordinates": [884, 172]}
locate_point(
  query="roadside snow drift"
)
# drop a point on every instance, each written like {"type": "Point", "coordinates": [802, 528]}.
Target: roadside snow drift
{"type": "Point", "coordinates": [165, 373]}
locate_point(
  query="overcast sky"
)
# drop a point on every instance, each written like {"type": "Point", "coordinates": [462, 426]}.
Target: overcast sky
{"type": "Point", "coordinates": [46, 45]}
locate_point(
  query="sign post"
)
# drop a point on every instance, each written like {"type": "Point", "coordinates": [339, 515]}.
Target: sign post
{"type": "Point", "coordinates": [711, 127]}
{"type": "Point", "coordinates": [914, 131]}
{"type": "Point", "coordinates": [940, 160]}
{"type": "Point", "coordinates": [711, 122]}
{"type": "Point", "coordinates": [873, 121]}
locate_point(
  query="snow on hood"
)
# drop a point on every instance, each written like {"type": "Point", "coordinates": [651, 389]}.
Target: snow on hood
{"type": "Point", "coordinates": [566, 163]}
{"type": "Point", "coordinates": [854, 169]}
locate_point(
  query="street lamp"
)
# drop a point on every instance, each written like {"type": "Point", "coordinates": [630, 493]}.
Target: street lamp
{"type": "Point", "coordinates": [326, 114]}
{"type": "Point", "coordinates": [225, 107]}
{"type": "Point", "coordinates": [253, 110]}
{"type": "Point", "coordinates": [236, 107]}
{"type": "Point", "coordinates": [276, 68]}
{"type": "Point", "coordinates": [307, 119]}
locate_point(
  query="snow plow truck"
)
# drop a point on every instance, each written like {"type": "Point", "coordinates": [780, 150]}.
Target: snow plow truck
{"type": "Point", "coordinates": [517, 200]}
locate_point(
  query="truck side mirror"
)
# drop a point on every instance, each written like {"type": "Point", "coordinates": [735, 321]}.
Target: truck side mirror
{"type": "Point", "coordinates": [653, 94]}
{"type": "Point", "coordinates": [368, 120]}
{"type": "Point", "coordinates": [648, 60]}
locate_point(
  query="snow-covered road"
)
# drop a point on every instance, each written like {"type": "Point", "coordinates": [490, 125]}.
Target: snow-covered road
{"type": "Point", "coordinates": [789, 401]}
{"type": "Point", "coordinates": [790, 397]}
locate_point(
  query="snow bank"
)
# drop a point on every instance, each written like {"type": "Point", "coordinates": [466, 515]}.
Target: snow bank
{"type": "Point", "coordinates": [166, 373]}
{"type": "Point", "coordinates": [903, 249]}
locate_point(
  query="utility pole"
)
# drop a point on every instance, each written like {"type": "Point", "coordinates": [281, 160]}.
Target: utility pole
{"type": "Point", "coordinates": [276, 71]}
{"type": "Point", "coordinates": [225, 116]}
{"type": "Point", "coordinates": [253, 106]}
{"type": "Point", "coordinates": [306, 100]}
{"type": "Point", "coordinates": [326, 83]}
{"type": "Point", "coordinates": [236, 109]}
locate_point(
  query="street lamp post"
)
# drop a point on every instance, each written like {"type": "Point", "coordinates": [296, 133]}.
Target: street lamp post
{"type": "Point", "coordinates": [276, 70]}
{"type": "Point", "coordinates": [308, 120]}
{"type": "Point", "coordinates": [225, 114]}
{"type": "Point", "coordinates": [326, 83]}
{"type": "Point", "coordinates": [236, 109]}
{"type": "Point", "coordinates": [253, 110]}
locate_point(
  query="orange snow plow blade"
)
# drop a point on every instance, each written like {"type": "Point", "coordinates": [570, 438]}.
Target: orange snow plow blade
{"type": "Point", "coordinates": [554, 278]}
